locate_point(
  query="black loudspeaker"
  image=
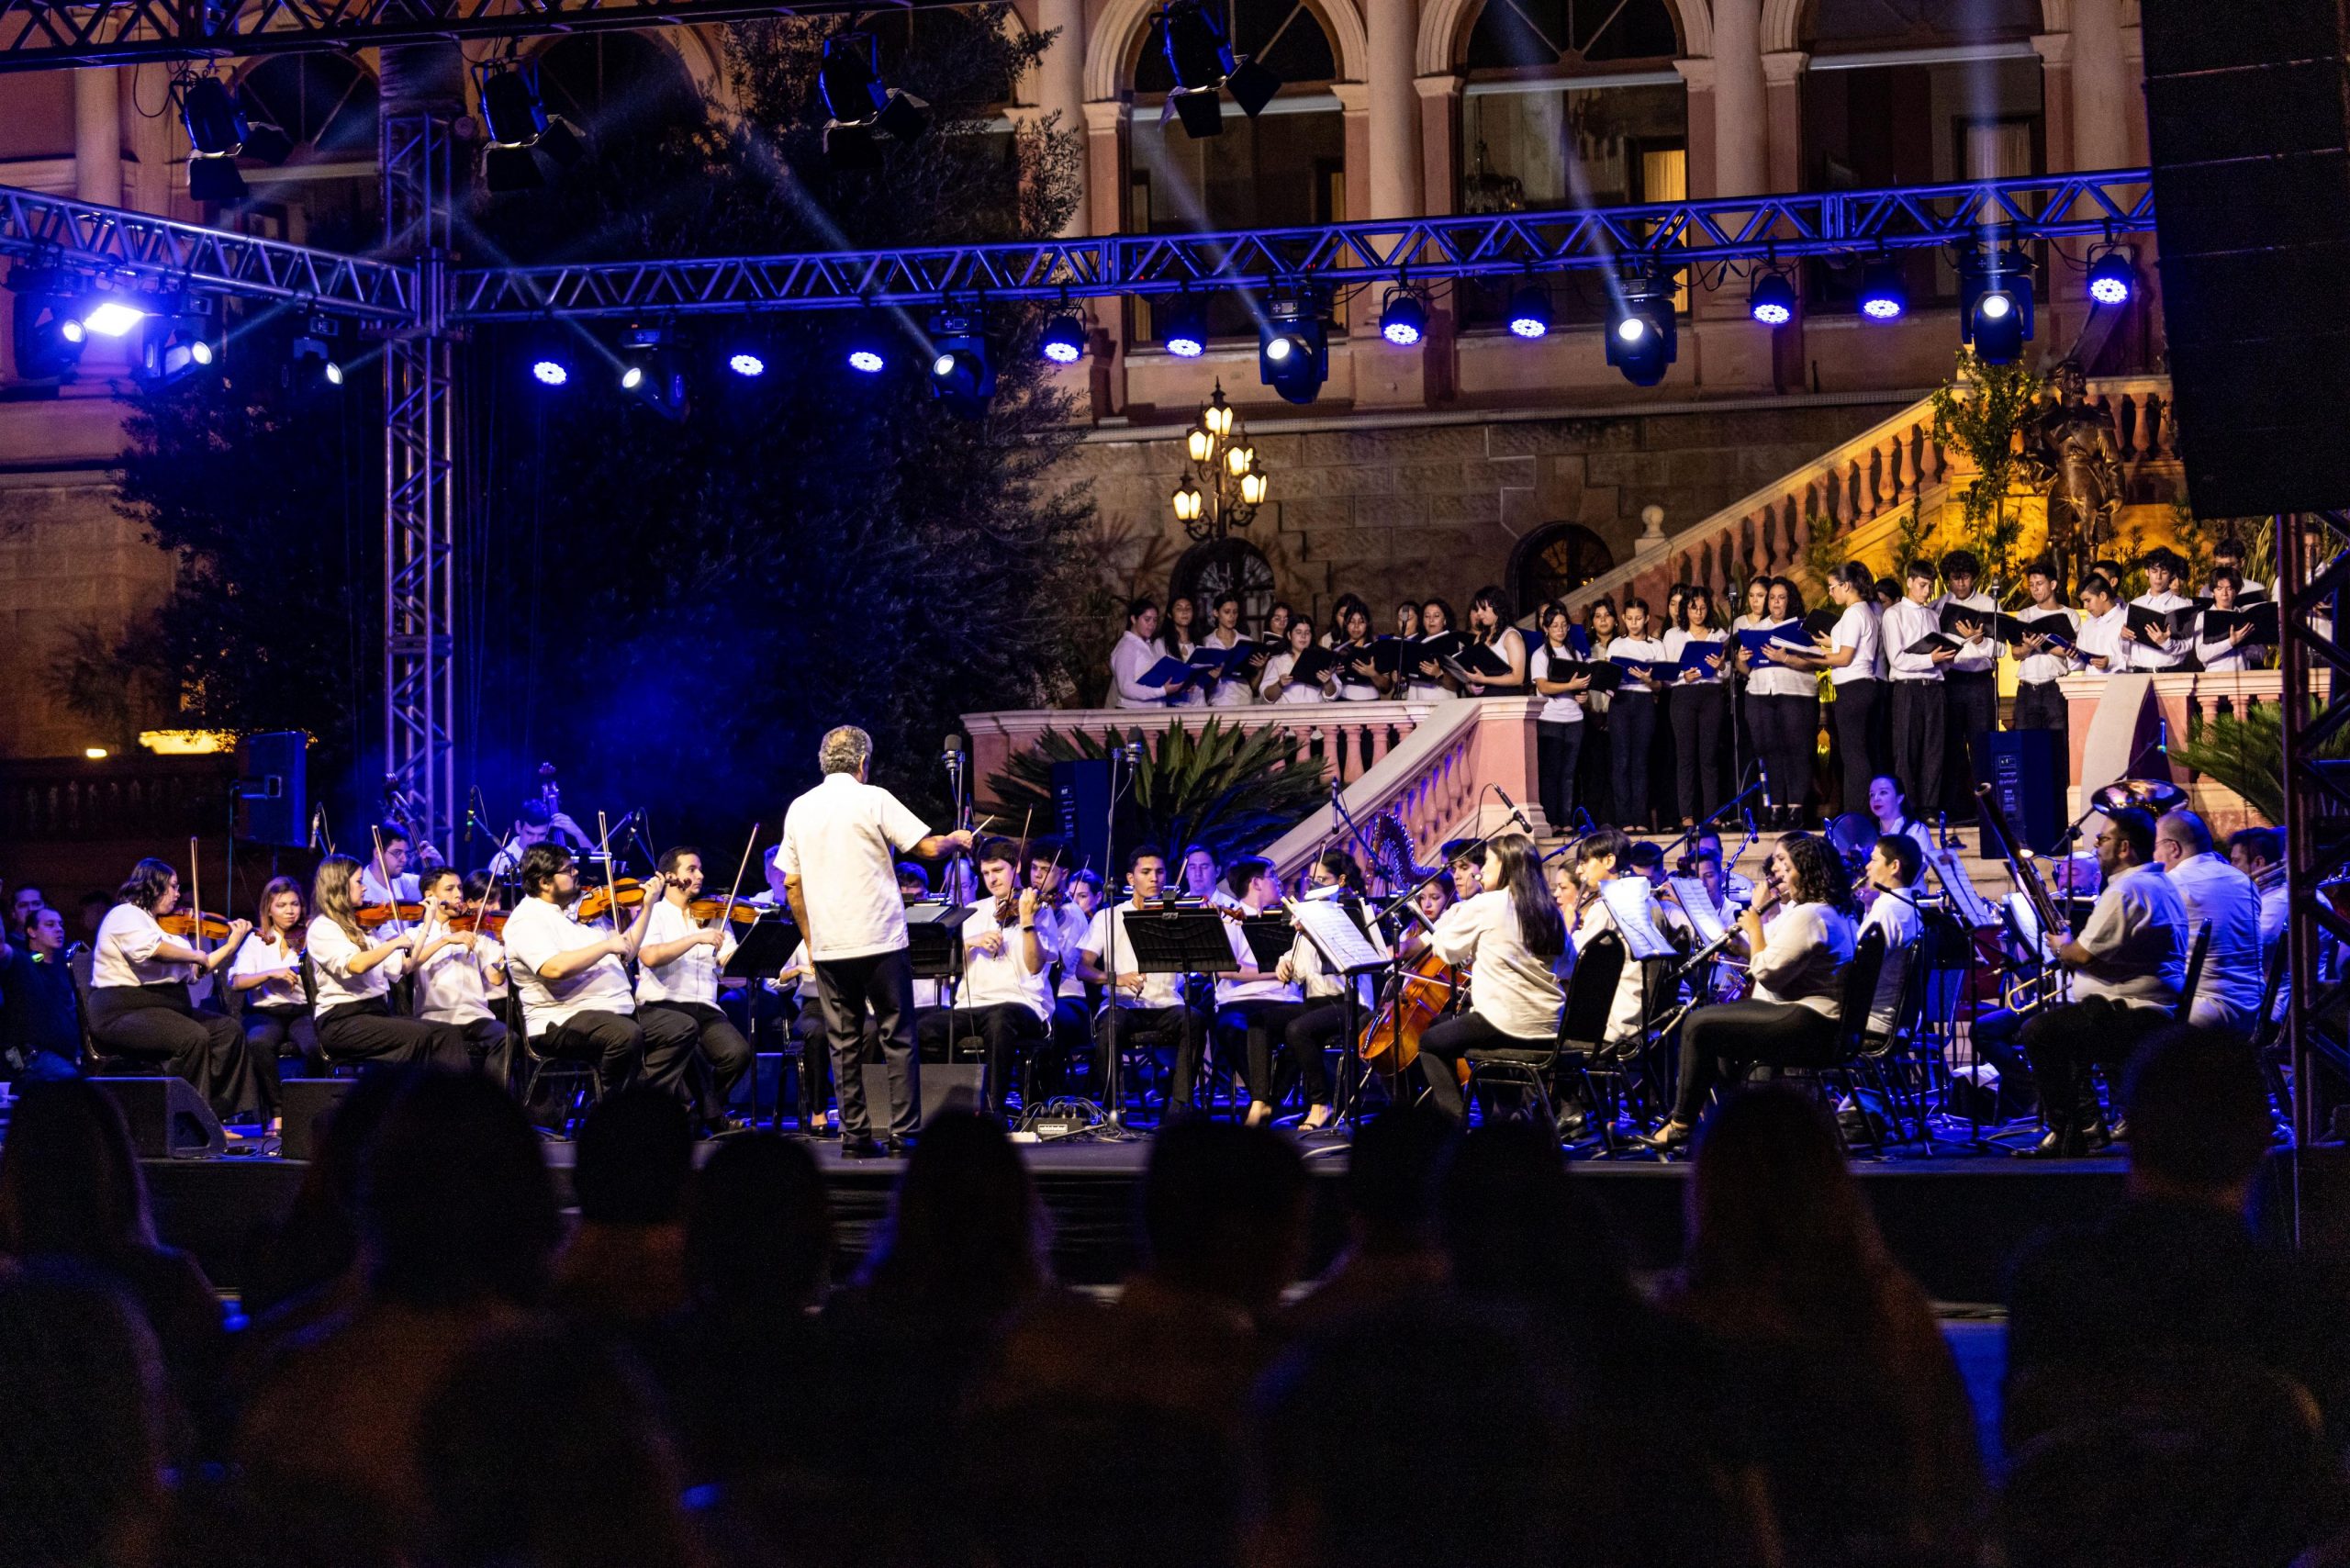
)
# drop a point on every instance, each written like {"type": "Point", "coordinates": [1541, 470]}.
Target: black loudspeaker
{"type": "Point", "coordinates": [1081, 794]}
{"type": "Point", "coordinates": [276, 788]}
{"type": "Point", "coordinates": [306, 1104]}
{"type": "Point", "coordinates": [2027, 777]}
{"type": "Point", "coordinates": [2246, 105]}
{"type": "Point", "coordinates": [168, 1119]}
{"type": "Point", "coordinates": [945, 1086]}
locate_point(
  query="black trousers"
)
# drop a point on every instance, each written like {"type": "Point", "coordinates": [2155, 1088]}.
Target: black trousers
{"type": "Point", "coordinates": [1152, 1028]}
{"type": "Point", "coordinates": [1596, 770]}
{"type": "Point", "coordinates": [2040, 705]}
{"type": "Point", "coordinates": [1320, 1026]}
{"type": "Point", "coordinates": [1856, 715]}
{"type": "Point", "coordinates": [155, 1025]}
{"type": "Point", "coordinates": [627, 1048]}
{"type": "Point", "coordinates": [1917, 708]}
{"type": "Point", "coordinates": [1786, 736]}
{"type": "Point", "coordinates": [719, 1046]}
{"type": "Point", "coordinates": [268, 1031]}
{"type": "Point", "coordinates": [1007, 1032]}
{"type": "Point", "coordinates": [1266, 1024]}
{"type": "Point", "coordinates": [491, 1047]}
{"type": "Point", "coordinates": [1767, 1034]}
{"type": "Point", "coordinates": [1072, 1041]}
{"type": "Point", "coordinates": [815, 1066]}
{"type": "Point", "coordinates": [1557, 748]}
{"type": "Point", "coordinates": [879, 985]}
{"type": "Point", "coordinates": [2062, 1044]}
{"type": "Point", "coordinates": [366, 1031]}
{"type": "Point", "coordinates": [1631, 730]}
{"type": "Point", "coordinates": [1442, 1045]}
{"type": "Point", "coordinates": [1699, 715]}
{"type": "Point", "coordinates": [1972, 709]}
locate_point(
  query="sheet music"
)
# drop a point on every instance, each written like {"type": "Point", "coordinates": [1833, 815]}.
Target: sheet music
{"type": "Point", "coordinates": [1970, 904]}
{"type": "Point", "coordinates": [1699, 906]}
{"type": "Point", "coordinates": [1626, 899]}
{"type": "Point", "coordinates": [1333, 931]}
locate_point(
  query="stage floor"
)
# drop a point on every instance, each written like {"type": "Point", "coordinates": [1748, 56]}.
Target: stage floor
{"type": "Point", "coordinates": [1953, 1222]}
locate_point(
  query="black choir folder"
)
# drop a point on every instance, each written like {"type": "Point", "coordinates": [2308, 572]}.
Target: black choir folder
{"type": "Point", "coordinates": [1604, 674]}
{"type": "Point", "coordinates": [1478, 661]}
{"type": "Point", "coordinates": [2175, 624]}
{"type": "Point", "coordinates": [1822, 623]}
{"type": "Point", "coordinates": [1311, 663]}
{"type": "Point", "coordinates": [2217, 624]}
{"type": "Point", "coordinates": [1957, 615]}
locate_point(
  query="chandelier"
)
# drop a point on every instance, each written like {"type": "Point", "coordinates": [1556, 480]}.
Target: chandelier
{"type": "Point", "coordinates": [1224, 487]}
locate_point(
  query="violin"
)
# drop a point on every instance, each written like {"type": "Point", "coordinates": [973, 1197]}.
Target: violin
{"type": "Point", "coordinates": [369, 916]}
{"type": "Point", "coordinates": [598, 903]}
{"type": "Point", "coordinates": [707, 909]}
{"type": "Point", "coordinates": [206, 928]}
{"type": "Point", "coordinates": [490, 923]}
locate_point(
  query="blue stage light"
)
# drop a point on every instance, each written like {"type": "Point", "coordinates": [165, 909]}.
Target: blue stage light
{"type": "Point", "coordinates": [550, 371]}
{"type": "Point", "coordinates": [1063, 341]}
{"type": "Point", "coordinates": [2112, 279]}
{"type": "Point", "coordinates": [744, 362]}
{"type": "Point", "coordinates": [1529, 311]}
{"type": "Point", "coordinates": [866, 360]}
{"type": "Point", "coordinates": [1186, 336]}
{"type": "Point", "coordinates": [1884, 297]}
{"type": "Point", "coordinates": [1404, 320]}
{"type": "Point", "coordinates": [1772, 300]}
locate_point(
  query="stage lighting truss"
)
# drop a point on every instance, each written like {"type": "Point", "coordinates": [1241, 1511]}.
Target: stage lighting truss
{"type": "Point", "coordinates": [1772, 299]}
{"type": "Point", "coordinates": [45, 312]}
{"type": "Point", "coordinates": [1293, 345]}
{"type": "Point", "coordinates": [1995, 306]}
{"type": "Point", "coordinates": [1201, 57]}
{"type": "Point", "coordinates": [316, 366]}
{"type": "Point", "coordinates": [962, 370]}
{"type": "Point", "coordinates": [1404, 316]}
{"type": "Point", "coordinates": [2113, 274]}
{"type": "Point", "coordinates": [185, 340]}
{"type": "Point", "coordinates": [519, 128]}
{"type": "Point", "coordinates": [1643, 339]}
{"type": "Point", "coordinates": [215, 133]}
{"type": "Point", "coordinates": [866, 112]}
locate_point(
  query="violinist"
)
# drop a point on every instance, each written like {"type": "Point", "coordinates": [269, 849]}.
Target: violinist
{"type": "Point", "coordinates": [1144, 1009]}
{"type": "Point", "coordinates": [1006, 996]}
{"type": "Point", "coordinates": [481, 908]}
{"type": "Point", "coordinates": [1061, 926]}
{"type": "Point", "coordinates": [1261, 1004]}
{"type": "Point", "coordinates": [679, 970]}
{"type": "Point", "coordinates": [1603, 857]}
{"type": "Point", "coordinates": [458, 965]}
{"type": "Point", "coordinates": [577, 1003]}
{"type": "Point", "coordinates": [138, 998]}
{"type": "Point", "coordinates": [1514, 934]}
{"type": "Point", "coordinates": [352, 974]}
{"type": "Point", "coordinates": [387, 878]}
{"type": "Point", "coordinates": [1321, 1026]}
{"type": "Point", "coordinates": [1796, 963]}
{"type": "Point", "coordinates": [267, 972]}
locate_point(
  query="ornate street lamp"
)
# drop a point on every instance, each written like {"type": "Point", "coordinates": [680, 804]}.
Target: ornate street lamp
{"type": "Point", "coordinates": [1224, 486]}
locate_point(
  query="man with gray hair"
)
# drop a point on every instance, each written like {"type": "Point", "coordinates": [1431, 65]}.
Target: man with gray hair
{"type": "Point", "coordinates": [838, 859]}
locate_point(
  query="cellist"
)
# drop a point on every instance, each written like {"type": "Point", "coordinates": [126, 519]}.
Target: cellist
{"type": "Point", "coordinates": [1515, 934]}
{"type": "Point", "coordinates": [1323, 1025]}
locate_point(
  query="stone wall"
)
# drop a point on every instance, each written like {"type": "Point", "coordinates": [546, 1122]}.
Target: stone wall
{"type": "Point", "coordinates": [67, 559]}
{"type": "Point", "coordinates": [1411, 507]}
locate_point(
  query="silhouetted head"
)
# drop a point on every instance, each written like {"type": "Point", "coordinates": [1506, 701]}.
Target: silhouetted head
{"type": "Point", "coordinates": [1520, 1230]}
{"type": "Point", "coordinates": [2199, 1118]}
{"type": "Point", "coordinates": [82, 1444]}
{"type": "Point", "coordinates": [69, 1184]}
{"type": "Point", "coordinates": [635, 1155]}
{"type": "Point", "coordinates": [966, 1228]}
{"type": "Point", "coordinates": [760, 1235]}
{"type": "Point", "coordinates": [1392, 1175]}
{"type": "Point", "coordinates": [1223, 1210]}
{"type": "Point", "coordinates": [455, 1204]}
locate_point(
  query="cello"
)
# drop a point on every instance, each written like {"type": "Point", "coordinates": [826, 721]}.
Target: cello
{"type": "Point", "coordinates": [1424, 988]}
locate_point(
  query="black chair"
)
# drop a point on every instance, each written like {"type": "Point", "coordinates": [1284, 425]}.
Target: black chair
{"type": "Point", "coordinates": [1583, 1028]}
{"type": "Point", "coordinates": [585, 1077]}
{"type": "Point", "coordinates": [1591, 991]}
{"type": "Point", "coordinates": [2198, 950]}
{"type": "Point", "coordinates": [1854, 1041]}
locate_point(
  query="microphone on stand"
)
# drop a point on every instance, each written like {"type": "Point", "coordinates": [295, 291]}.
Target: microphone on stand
{"type": "Point", "coordinates": [1517, 815]}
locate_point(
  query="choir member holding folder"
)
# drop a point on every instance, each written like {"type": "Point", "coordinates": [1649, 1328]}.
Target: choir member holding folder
{"type": "Point", "coordinates": [1970, 682]}
{"type": "Point", "coordinates": [1631, 711]}
{"type": "Point", "coordinates": [2156, 635]}
{"type": "Point", "coordinates": [1785, 694]}
{"type": "Point", "coordinates": [1423, 656]}
{"type": "Point", "coordinates": [1301, 672]}
{"type": "Point", "coordinates": [1559, 678]}
{"type": "Point", "coordinates": [1136, 656]}
{"type": "Point", "coordinates": [1245, 658]}
{"type": "Point", "coordinates": [1495, 643]}
{"type": "Point", "coordinates": [1366, 666]}
{"type": "Point", "coordinates": [1694, 661]}
{"type": "Point", "coordinates": [1178, 636]}
{"type": "Point", "coordinates": [2231, 636]}
{"type": "Point", "coordinates": [2045, 637]}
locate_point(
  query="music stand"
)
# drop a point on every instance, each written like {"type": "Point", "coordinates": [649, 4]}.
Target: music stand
{"type": "Point", "coordinates": [1174, 940]}
{"type": "Point", "coordinates": [1350, 949]}
{"type": "Point", "coordinates": [758, 957]}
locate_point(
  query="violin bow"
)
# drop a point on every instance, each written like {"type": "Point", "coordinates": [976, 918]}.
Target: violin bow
{"type": "Point", "coordinates": [726, 915]}
{"type": "Point", "coordinates": [194, 897]}
{"type": "Point", "coordinates": [611, 886]}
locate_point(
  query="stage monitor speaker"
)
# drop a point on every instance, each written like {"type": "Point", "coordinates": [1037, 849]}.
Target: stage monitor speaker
{"type": "Point", "coordinates": [276, 789]}
{"type": "Point", "coordinates": [945, 1086]}
{"type": "Point", "coordinates": [1081, 795]}
{"type": "Point", "coordinates": [168, 1119]}
{"type": "Point", "coordinates": [2027, 777]}
{"type": "Point", "coordinates": [2245, 109]}
{"type": "Point", "coordinates": [307, 1103]}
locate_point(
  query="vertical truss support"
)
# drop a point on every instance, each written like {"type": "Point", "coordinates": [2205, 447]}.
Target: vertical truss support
{"type": "Point", "coordinates": [2313, 561]}
{"type": "Point", "coordinates": [419, 479]}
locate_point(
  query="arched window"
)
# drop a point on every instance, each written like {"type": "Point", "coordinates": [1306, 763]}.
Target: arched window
{"type": "Point", "coordinates": [324, 103]}
{"type": "Point", "coordinates": [1284, 168]}
{"type": "Point", "coordinates": [324, 191]}
{"type": "Point", "coordinates": [1555, 560]}
{"type": "Point", "coordinates": [606, 83]}
{"type": "Point", "coordinates": [1221, 566]}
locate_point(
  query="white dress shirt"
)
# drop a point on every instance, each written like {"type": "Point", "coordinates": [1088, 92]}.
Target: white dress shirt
{"type": "Point", "coordinates": [1629, 1010]}
{"type": "Point", "coordinates": [259, 955]}
{"type": "Point", "coordinates": [692, 975]}
{"type": "Point", "coordinates": [1004, 978]}
{"type": "Point", "coordinates": [2223, 654]}
{"type": "Point", "coordinates": [1561, 709]}
{"type": "Point", "coordinates": [124, 953]}
{"type": "Point", "coordinates": [453, 985]}
{"type": "Point", "coordinates": [1767, 678]}
{"type": "Point", "coordinates": [1861, 628]}
{"type": "Point", "coordinates": [1976, 655]}
{"type": "Point", "coordinates": [332, 950]}
{"type": "Point", "coordinates": [1897, 915]}
{"type": "Point", "coordinates": [1679, 639]}
{"type": "Point", "coordinates": [2227, 995]}
{"type": "Point", "coordinates": [1904, 624]}
{"type": "Point", "coordinates": [1235, 691]}
{"type": "Point", "coordinates": [1514, 991]}
{"type": "Point", "coordinates": [1229, 990]}
{"type": "Point", "coordinates": [2101, 636]}
{"type": "Point", "coordinates": [1113, 952]}
{"type": "Point", "coordinates": [1060, 930]}
{"type": "Point", "coordinates": [1349, 689]}
{"type": "Point", "coordinates": [1129, 662]}
{"type": "Point", "coordinates": [2036, 669]}
{"type": "Point", "coordinates": [1805, 951]}
{"type": "Point", "coordinates": [1277, 669]}
{"type": "Point", "coordinates": [2137, 936]}
{"type": "Point", "coordinates": [2144, 655]}
{"type": "Point", "coordinates": [841, 839]}
{"type": "Point", "coordinates": [536, 932]}
{"type": "Point", "coordinates": [405, 888]}
{"type": "Point", "coordinates": [1641, 651]}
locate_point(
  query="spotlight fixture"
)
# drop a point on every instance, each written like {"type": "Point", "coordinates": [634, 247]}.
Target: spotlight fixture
{"type": "Point", "coordinates": [548, 371]}
{"type": "Point", "coordinates": [315, 366]}
{"type": "Point", "coordinates": [867, 352]}
{"type": "Point", "coordinates": [1772, 300]}
{"type": "Point", "coordinates": [1529, 310]}
{"type": "Point", "coordinates": [216, 134]}
{"type": "Point", "coordinates": [548, 355]}
{"type": "Point", "coordinates": [962, 374]}
{"type": "Point", "coordinates": [1063, 341]}
{"type": "Point", "coordinates": [1293, 345]}
{"type": "Point", "coordinates": [1884, 297]}
{"type": "Point", "coordinates": [649, 369]}
{"type": "Point", "coordinates": [1995, 303]}
{"type": "Point", "coordinates": [1200, 59]}
{"type": "Point", "coordinates": [865, 112]}
{"type": "Point", "coordinates": [2113, 277]}
{"type": "Point", "coordinates": [518, 126]}
{"type": "Point", "coordinates": [746, 363]}
{"type": "Point", "coordinates": [1186, 335]}
{"type": "Point", "coordinates": [49, 335]}
{"type": "Point", "coordinates": [112, 314]}
{"type": "Point", "coordinates": [1642, 338]}
{"type": "Point", "coordinates": [1403, 317]}
{"type": "Point", "coordinates": [174, 346]}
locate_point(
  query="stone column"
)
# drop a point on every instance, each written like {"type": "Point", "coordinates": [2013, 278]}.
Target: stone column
{"type": "Point", "coordinates": [98, 137]}
{"type": "Point", "coordinates": [1354, 107]}
{"type": "Point", "coordinates": [1061, 89]}
{"type": "Point", "coordinates": [2104, 100]}
{"type": "Point", "coordinates": [1698, 79]}
{"type": "Point", "coordinates": [1106, 165]}
{"type": "Point", "coordinates": [1742, 123]}
{"type": "Point", "coordinates": [1439, 98]}
{"type": "Point", "coordinates": [1394, 190]}
{"type": "Point", "coordinates": [2057, 98]}
{"type": "Point", "coordinates": [1782, 103]}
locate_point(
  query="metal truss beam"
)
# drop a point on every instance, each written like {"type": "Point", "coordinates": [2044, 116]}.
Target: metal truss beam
{"type": "Point", "coordinates": [2314, 557]}
{"type": "Point", "coordinates": [1681, 234]}
{"type": "Point", "coordinates": [156, 250]}
{"type": "Point", "coordinates": [38, 35]}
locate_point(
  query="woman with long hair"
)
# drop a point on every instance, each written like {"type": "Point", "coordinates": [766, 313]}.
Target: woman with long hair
{"type": "Point", "coordinates": [354, 974]}
{"type": "Point", "coordinates": [1745, 717]}
{"type": "Point", "coordinates": [1515, 935]}
{"type": "Point", "coordinates": [1559, 727]}
{"type": "Point", "coordinates": [1595, 769]}
{"type": "Point", "coordinates": [1860, 1420]}
{"type": "Point", "coordinates": [1632, 714]}
{"type": "Point", "coordinates": [1425, 679]}
{"type": "Point", "coordinates": [1278, 685]}
{"type": "Point", "coordinates": [1323, 1026]}
{"type": "Point", "coordinates": [267, 972]}
{"type": "Point", "coordinates": [1354, 652]}
{"type": "Point", "coordinates": [1238, 689]}
{"type": "Point", "coordinates": [1178, 634]}
{"type": "Point", "coordinates": [139, 996]}
{"type": "Point", "coordinates": [1796, 960]}
{"type": "Point", "coordinates": [1784, 697]}
{"type": "Point", "coordinates": [1698, 708]}
{"type": "Point", "coordinates": [1489, 627]}
{"type": "Point", "coordinates": [1854, 660]}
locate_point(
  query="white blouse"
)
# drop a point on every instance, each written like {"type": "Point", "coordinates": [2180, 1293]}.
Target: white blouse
{"type": "Point", "coordinates": [125, 951]}
{"type": "Point", "coordinates": [259, 955]}
{"type": "Point", "coordinates": [1804, 954]}
{"type": "Point", "coordinates": [1512, 990]}
{"type": "Point", "coordinates": [1561, 710]}
{"type": "Point", "coordinates": [1859, 629]}
{"type": "Point", "coordinates": [331, 951]}
{"type": "Point", "coordinates": [1235, 692]}
{"type": "Point", "coordinates": [1678, 639]}
{"type": "Point", "coordinates": [1277, 669]}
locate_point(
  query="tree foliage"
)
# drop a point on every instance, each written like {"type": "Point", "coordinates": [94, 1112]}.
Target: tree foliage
{"type": "Point", "coordinates": [1980, 411]}
{"type": "Point", "coordinates": [1233, 788]}
{"type": "Point", "coordinates": [2245, 751]}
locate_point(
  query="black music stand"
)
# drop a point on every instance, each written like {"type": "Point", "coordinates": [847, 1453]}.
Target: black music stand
{"type": "Point", "coordinates": [758, 957]}
{"type": "Point", "coordinates": [1172, 941]}
{"type": "Point", "coordinates": [1337, 931]}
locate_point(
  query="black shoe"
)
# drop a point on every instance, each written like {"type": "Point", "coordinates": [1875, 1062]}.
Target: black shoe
{"type": "Point", "coordinates": [726, 1127]}
{"type": "Point", "coordinates": [860, 1148]}
{"type": "Point", "coordinates": [2062, 1143]}
{"type": "Point", "coordinates": [1570, 1123]}
{"type": "Point", "coordinates": [901, 1146]}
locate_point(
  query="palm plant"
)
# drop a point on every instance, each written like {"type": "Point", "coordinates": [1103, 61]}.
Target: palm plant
{"type": "Point", "coordinates": [1230, 786]}
{"type": "Point", "coordinates": [2245, 751]}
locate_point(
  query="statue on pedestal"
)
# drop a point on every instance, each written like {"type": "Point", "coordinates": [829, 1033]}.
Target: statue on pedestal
{"type": "Point", "coordinates": [2075, 459]}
